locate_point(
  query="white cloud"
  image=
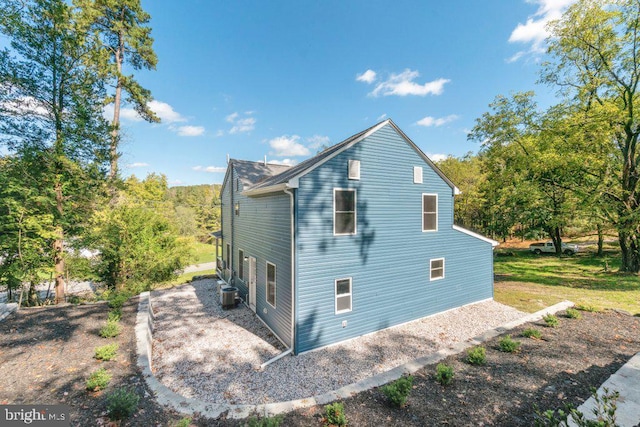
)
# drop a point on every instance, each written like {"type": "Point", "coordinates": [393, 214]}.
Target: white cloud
{"type": "Point", "coordinates": [288, 146]}
{"type": "Point", "coordinates": [534, 31]}
{"type": "Point", "coordinates": [381, 117]}
{"type": "Point", "coordinates": [403, 84]}
{"type": "Point", "coordinates": [219, 133]}
{"type": "Point", "coordinates": [368, 76]}
{"type": "Point", "coordinates": [433, 121]}
{"type": "Point", "coordinates": [286, 162]}
{"type": "Point", "coordinates": [25, 105]}
{"type": "Point", "coordinates": [137, 165]}
{"type": "Point", "coordinates": [437, 157]}
{"type": "Point", "coordinates": [175, 182]}
{"type": "Point", "coordinates": [317, 141]}
{"type": "Point", "coordinates": [211, 169]}
{"type": "Point", "coordinates": [190, 130]}
{"type": "Point", "coordinates": [165, 111]}
{"type": "Point", "coordinates": [241, 125]}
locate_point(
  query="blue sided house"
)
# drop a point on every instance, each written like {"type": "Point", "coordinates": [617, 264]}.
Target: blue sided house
{"type": "Point", "coordinates": [354, 240]}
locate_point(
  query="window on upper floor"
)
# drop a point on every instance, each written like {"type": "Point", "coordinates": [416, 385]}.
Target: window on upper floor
{"type": "Point", "coordinates": [344, 212]}
{"type": "Point", "coordinates": [354, 169]}
{"type": "Point", "coordinates": [343, 295]}
{"type": "Point", "coordinates": [271, 284]}
{"type": "Point", "coordinates": [436, 269]}
{"type": "Point", "coordinates": [417, 174]}
{"type": "Point", "coordinates": [429, 212]}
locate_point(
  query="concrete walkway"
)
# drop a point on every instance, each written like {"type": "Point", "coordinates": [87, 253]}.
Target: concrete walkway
{"type": "Point", "coordinates": [625, 381]}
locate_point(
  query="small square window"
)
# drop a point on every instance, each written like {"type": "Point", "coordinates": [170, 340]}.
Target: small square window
{"type": "Point", "coordinates": [437, 269]}
{"type": "Point", "coordinates": [354, 169]}
{"type": "Point", "coordinates": [417, 174]}
{"type": "Point", "coordinates": [236, 209]}
{"type": "Point", "coordinates": [343, 295]}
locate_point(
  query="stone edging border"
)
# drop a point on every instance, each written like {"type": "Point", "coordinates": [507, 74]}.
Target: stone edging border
{"type": "Point", "coordinates": [7, 309]}
{"type": "Point", "coordinates": [189, 406]}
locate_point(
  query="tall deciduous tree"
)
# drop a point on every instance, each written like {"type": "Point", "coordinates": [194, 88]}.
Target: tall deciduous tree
{"type": "Point", "coordinates": [595, 61]}
{"type": "Point", "coordinates": [50, 111]}
{"type": "Point", "coordinates": [122, 36]}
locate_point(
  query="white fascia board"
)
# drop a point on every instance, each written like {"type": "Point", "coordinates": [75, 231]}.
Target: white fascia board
{"type": "Point", "coordinates": [267, 190]}
{"type": "Point", "coordinates": [476, 235]}
{"type": "Point", "coordinates": [456, 191]}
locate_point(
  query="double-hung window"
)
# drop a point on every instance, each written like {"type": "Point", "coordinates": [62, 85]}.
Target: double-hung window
{"type": "Point", "coordinates": [343, 295]}
{"type": "Point", "coordinates": [344, 212]}
{"type": "Point", "coordinates": [429, 212]}
{"type": "Point", "coordinates": [240, 264]}
{"type": "Point", "coordinates": [271, 284]}
{"type": "Point", "coordinates": [436, 269]}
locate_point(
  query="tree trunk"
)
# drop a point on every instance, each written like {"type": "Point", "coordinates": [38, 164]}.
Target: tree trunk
{"type": "Point", "coordinates": [630, 252]}
{"type": "Point", "coordinates": [600, 240]}
{"type": "Point", "coordinates": [58, 249]}
{"type": "Point", "coordinates": [554, 233]}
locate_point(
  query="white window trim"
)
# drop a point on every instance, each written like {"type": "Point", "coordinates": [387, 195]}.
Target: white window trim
{"type": "Point", "coordinates": [422, 213]}
{"type": "Point", "coordinates": [266, 283]}
{"type": "Point", "coordinates": [350, 163]}
{"type": "Point", "coordinates": [417, 178]}
{"type": "Point", "coordinates": [241, 263]}
{"type": "Point", "coordinates": [350, 294]}
{"type": "Point", "coordinates": [431, 278]}
{"type": "Point", "coordinates": [355, 212]}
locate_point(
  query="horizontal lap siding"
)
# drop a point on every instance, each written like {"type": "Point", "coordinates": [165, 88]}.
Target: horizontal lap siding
{"type": "Point", "coordinates": [263, 231]}
{"type": "Point", "coordinates": [388, 258]}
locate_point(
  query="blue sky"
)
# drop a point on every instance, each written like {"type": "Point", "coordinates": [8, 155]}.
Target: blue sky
{"type": "Point", "coordinates": [284, 78]}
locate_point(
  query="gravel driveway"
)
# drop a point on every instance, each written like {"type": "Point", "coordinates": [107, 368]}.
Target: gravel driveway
{"type": "Point", "coordinates": [203, 352]}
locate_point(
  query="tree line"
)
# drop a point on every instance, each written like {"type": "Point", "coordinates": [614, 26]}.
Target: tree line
{"type": "Point", "coordinates": [60, 187]}
{"type": "Point", "coordinates": [576, 161]}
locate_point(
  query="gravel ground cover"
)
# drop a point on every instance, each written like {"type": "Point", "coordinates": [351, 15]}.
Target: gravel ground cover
{"type": "Point", "coordinates": [205, 352]}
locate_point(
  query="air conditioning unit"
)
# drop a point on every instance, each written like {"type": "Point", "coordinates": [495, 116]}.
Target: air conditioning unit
{"type": "Point", "coordinates": [228, 296]}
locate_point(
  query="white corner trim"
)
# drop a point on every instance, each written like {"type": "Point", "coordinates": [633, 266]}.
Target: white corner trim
{"type": "Point", "coordinates": [476, 235]}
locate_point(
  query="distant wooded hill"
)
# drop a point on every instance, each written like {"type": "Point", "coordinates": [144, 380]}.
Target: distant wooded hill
{"type": "Point", "coordinates": [197, 209]}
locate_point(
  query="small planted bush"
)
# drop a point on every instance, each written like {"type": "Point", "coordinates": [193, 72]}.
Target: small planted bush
{"type": "Point", "coordinates": [334, 415]}
{"type": "Point", "coordinates": [184, 422]}
{"type": "Point", "coordinates": [588, 308]}
{"type": "Point", "coordinates": [98, 380]}
{"type": "Point", "coordinates": [477, 355]}
{"type": "Point", "coordinates": [122, 403]}
{"type": "Point", "coordinates": [509, 345]}
{"type": "Point", "coordinates": [573, 313]}
{"type": "Point", "coordinates": [265, 422]}
{"type": "Point", "coordinates": [106, 352]}
{"type": "Point", "coordinates": [114, 315]}
{"type": "Point", "coordinates": [398, 391]}
{"type": "Point", "coordinates": [532, 333]}
{"type": "Point", "coordinates": [110, 330]}
{"type": "Point", "coordinates": [605, 412]}
{"type": "Point", "coordinates": [444, 374]}
{"type": "Point", "coordinates": [550, 320]}
{"type": "Point", "coordinates": [118, 300]}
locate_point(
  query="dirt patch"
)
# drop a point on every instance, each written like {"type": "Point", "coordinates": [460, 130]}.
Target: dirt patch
{"type": "Point", "coordinates": [46, 355]}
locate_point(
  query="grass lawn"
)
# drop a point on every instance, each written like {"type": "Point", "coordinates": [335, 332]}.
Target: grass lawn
{"type": "Point", "coordinates": [204, 252]}
{"type": "Point", "coordinates": [531, 282]}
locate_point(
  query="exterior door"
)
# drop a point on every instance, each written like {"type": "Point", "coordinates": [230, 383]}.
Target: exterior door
{"type": "Point", "coordinates": [252, 283]}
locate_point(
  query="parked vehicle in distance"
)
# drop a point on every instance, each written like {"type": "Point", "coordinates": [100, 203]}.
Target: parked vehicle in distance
{"type": "Point", "coordinates": [549, 247]}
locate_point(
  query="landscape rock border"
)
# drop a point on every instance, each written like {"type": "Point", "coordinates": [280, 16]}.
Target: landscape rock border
{"type": "Point", "coordinates": [189, 406]}
{"type": "Point", "coordinates": [7, 309]}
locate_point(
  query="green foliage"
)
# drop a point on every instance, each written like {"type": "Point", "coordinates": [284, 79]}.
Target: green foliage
{"type": "Point", "coordinates": [184, 422]}
{"type": "Point", "coordinates": [117, 300]}
{"type": "Point", "coordinates": [588, 308]}
{"type": "Point", "coordinates": [98, 380]}
{"type": "Point", "coordinates": [532, 333]}
{"type": "Point", "coordinates": [573, 313]}
{"type": "Point", "coordinates": [398, 391]}
{"type": "Point", "coordinates": [604, 412]}
{"type": "Point", "coordinates": [550, 320]}
{"type": "Point", "coordinates": [509, 345]}
{"type": "Point", "coordinates": [122, 403]}
{"type": "Point", "coordinates": [444, 374]}
{"type": "Point", "coordinates": [114, 315]}
{"type": "Point", "coordinates": [106, 352]}
{"type": "Point", "coordinates": [199, 204]}
{"type": "Point", "coordinates": [265, 422]}
{"type": "Point", "coordinates": [477, 355]}
{"type": "Point", "coordinates": [334, 415]}
{"type": "Point", "coordinates": [110, 330]}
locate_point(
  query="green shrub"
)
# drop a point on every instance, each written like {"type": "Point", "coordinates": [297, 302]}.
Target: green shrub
{"type": "Point", "coordinates": [477, 355]}
{"type": "Point", "coordinates": [118, 300]}
{"type": "Point", "coordinates": [98, 380]}
{"type": "Point", "coordinates": [605, 412]}
{"type": "Point", "coordinates": [334, 415]}
{"type": "Point", "coordinates": [509, 345]}
{"type": "Point", "coordinates": [114, 315]}
{"type": "Point", "coordinates": [110, 330]}
{"type": "Point", "coordinates": [106, 352]}
{"type": "Point", "coordinates": [444, 374]}
{"type": "Point", "coordinates": [73, 299]}
{"type": "Point", "coordinates": [573, 313]}
{"type": "Point", "coordinates": [532, 333]}
{"type": "Point", "coordinates": [265, 422]}
{"type": "Point", "coordinates": [550, 320]}
{"type": "Point", "coordinates": [122, 403]}
{"type": "Point", "coordinates": [184, 422]}
{"type": "Point", "coordinates": [398, 391]}
{"type": "Point", "coordinates": [588, 308]}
